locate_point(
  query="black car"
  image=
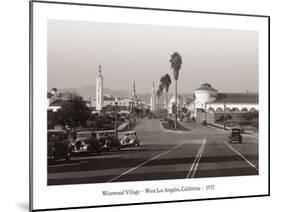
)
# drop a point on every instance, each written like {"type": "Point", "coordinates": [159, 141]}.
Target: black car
{"type": "Point", "coordinates": [108, 140]}
{"type": "Point", "coordinates": [235, 135]}
{"type": "Point", "coordinates": [86, 142]}
{"type": "Point", "coordinates": [59, 146]}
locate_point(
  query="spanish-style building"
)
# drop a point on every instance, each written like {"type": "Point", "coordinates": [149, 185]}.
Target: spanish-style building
{"type": "Point", "coordinates": [210, 100]}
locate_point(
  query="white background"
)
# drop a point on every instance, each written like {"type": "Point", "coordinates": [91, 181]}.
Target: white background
{"type": "Point", "coordinates": [91, 194]}
{"type": "Point", "coordinates": [14, 105]}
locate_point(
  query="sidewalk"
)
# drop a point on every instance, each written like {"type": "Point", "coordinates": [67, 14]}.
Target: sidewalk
{"type": "Point", "coordinates": [246, 133]}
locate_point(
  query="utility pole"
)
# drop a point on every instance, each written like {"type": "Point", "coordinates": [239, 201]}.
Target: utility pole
{"type": "Point", "coordinates": [116, 103]}
{"type": "Point", "coordinates": [224, 118]}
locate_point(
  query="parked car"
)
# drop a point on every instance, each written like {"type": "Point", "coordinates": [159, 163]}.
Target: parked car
{"type": "Point", "coordinates": [235, 135]}
{"type": "Point", "coordinates": [128, 139]}
{"type": "Point", "coordinates": [86, 141]}
{"type": "Point", "coordinates": [59, 146]}
{"type": "Point", "coordinates": [107, 140]}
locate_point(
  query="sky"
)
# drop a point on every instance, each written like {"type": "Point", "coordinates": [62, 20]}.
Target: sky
{"type": "Point", "coordinates": [227, 59]}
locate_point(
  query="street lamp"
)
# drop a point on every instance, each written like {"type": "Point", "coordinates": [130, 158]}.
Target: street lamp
{"type": "Point", "coordinates": [130, 113]}
{"type": "Point", "coordinates": [137, 108]}
{"type": "Point", "coordinates": [224, 117]}
{"type": "Point", "coordinates": [134, 111]}
{"type": "Point", "coordinates": [116, 103]}
{"type": "Point", "coordinates": [206, 113]}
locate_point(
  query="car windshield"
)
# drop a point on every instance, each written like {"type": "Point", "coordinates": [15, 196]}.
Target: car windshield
{"type": "Point", "coordinates": [56, 136]}
{"type": "Point", "coordinates": [235, 130]}
{"type": "Point", "coordinates": [84, 135]}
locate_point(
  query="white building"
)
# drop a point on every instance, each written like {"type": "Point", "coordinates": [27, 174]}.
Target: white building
{"type": "Point", "coordinates": [172, 103]}
{"type": "Point", "coordinates": [99, 91]}
{"type": "Point", "coordinates": [124, 104]}
{"type": "Point", "coordinates": [209, 99]}
{"type": "Point", "coordinates": [134, 93]}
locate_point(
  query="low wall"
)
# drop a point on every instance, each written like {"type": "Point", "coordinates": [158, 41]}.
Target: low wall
{"type": "Point", "coordinates": [214, 117]}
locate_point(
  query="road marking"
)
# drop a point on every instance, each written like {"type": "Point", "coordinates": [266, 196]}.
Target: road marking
{"type": "Point", "coordinates": [151, 159]}
{"type": "Point", "coordinates": [193, 168]}
{"type": "Point", "coordinates": [241, 156]}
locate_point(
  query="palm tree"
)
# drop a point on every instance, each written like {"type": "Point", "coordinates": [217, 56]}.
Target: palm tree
{"type": "Point", "coordinates": [176, 62]}
{"type": "Point", "coordinates": [161, 88]}
{"type": "Point", "coordinates": [162, 83]}
{"type": "Point", "coordinates": [158, 93]}
{"type": "Point", "coordinates": [166, 80]}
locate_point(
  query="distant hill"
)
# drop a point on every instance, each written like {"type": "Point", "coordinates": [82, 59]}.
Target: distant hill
{"type": "Point", "coordinates": [90, 91]}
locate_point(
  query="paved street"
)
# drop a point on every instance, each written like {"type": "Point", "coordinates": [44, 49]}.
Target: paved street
{"type": "Point", "coordinates": [201, 152]}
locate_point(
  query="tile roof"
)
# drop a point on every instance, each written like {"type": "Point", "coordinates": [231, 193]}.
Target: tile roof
{"type": "Point", "coordinates": [206, 87]}
{"type": "Point", "coordinates": [246, 98]}
{"type": "Point", "coordinates": [105, 98]}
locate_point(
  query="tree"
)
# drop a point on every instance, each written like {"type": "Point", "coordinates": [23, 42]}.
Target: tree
{"type": "Point", "coordinates": [176, 62]}
{"type": "Point", "coordinates": [161, 88]}
{"type": "Point", "coordinates": [162, 84]}
{"type": "Point", "coordinates": [74, 112]}
{"type": "Point", "coordinates": [158, 93]}
{"type": "Point", "coordinates": [166, 81]}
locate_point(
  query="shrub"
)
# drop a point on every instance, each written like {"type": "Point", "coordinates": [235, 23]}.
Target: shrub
{"type": "Point", "coordinates": [228, 117]}
{"type": "Point", "coordinates": [247, 116]}
{"type": "Point", "coordinates": [255, 123]}
{"type": "Point", "coordinates": [204, 123]}
{"type": "Point", "coordinates": [220, 119]}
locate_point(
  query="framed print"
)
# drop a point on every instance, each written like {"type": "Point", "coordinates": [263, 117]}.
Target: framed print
{"type": "Point", "coordinates": [133, 105]}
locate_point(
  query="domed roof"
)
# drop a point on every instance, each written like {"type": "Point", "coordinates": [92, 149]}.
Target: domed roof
{"type": "Point", "coordinates": [108, 95]}
{"type": "Point", "coordinates": [206, 87]}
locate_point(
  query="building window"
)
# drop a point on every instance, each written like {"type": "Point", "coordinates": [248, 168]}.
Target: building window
{"type": "Point", "coordinates": [235, 109]}
{"type": "Point", "coordinates": [219, 109]}
{"type": "Point", "coordinates": [210, 109]}
{"type": "Point", "coordinates": [227, 110]}
{"type": "Point", "coordinates": [252, 110]}
{"type": "Point", "coordinates": [244, 109]}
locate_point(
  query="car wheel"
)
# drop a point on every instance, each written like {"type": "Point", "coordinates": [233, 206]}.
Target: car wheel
{"type": "Point", "coordinates": [67, 157]}
{"type": "Point", "coordinates": [53, 156]}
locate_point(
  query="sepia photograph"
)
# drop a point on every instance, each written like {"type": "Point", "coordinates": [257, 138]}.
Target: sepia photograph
{"type": "Point", "coordinates": [133, 102]}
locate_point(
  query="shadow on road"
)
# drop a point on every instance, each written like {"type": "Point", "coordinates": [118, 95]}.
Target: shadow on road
{"type": "Point", "coordinates": [225, 172]}
{"type": "Point", "coordinates": [118, 162]}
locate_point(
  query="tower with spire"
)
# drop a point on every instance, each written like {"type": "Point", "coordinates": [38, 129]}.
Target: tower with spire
{"type": "Point", "coordinates": [134, 94]}
{"type": "Point", "coordinates": [152, 98]}
{"type": "Point", "coordinates": [99, 91]}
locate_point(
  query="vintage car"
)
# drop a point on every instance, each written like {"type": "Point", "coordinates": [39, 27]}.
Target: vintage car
{"type": "Point", "coordinates": [59, 146]}
{"type": "Point", "coordinates": [235, 135]}
{"type": "Point", "coordinates": [86, 141]}
{"type": "Point", "coordinates": [129, 139]}
{"type": "Point", "coordinates": [107, 140]}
